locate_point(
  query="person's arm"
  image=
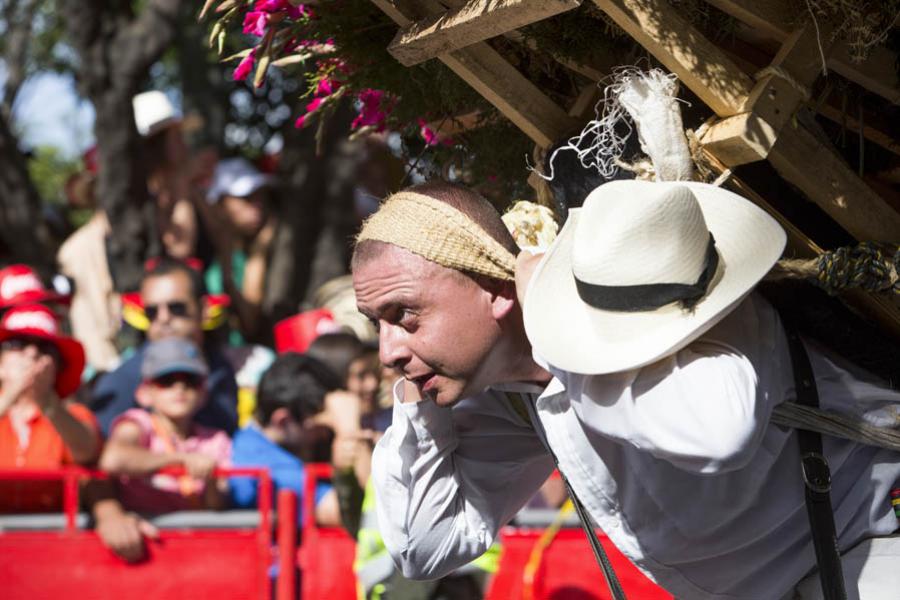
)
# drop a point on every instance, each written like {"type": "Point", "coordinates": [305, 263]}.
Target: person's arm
{"type": "Point", "coordinates": [119, 530]}
{"type": "Point", "coordinates": [328, 510]}
{"type": "Point", "coordinates": [443, 492]}
{"type": "Point", "coordinates": [698, 409]}
{"type": "Point", "coordinates": [125, 454]}
{"type": "Point", "coordinates": [82, 442]}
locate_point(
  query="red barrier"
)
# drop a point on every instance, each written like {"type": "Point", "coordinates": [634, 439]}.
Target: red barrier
{"type": "Point", "coordinates": [286, 588]}
{"type": "Point", "coordinates": [72, 563]}
{"type": "Point", "coordinates": [326, 553]}
{"type": "Point", "coordinates": [567, 571]}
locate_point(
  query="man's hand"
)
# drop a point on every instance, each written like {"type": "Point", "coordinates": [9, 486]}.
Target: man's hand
{"type": "Point", "coordinates": [525, 265]}
{"type": "Point", "coordinates": [198, 466]}
{"type": "Point", "coordinates": [41, 378]}
{"type": "Point", "coordinates": [123, 533]}
{"type": "Point", "coordinates": [342, 412]}
{"type": "Point", "coordinates": [346, 448]}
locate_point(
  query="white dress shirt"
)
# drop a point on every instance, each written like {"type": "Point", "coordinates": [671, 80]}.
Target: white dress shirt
{"type": "Point", "coordinates": [676, 462]}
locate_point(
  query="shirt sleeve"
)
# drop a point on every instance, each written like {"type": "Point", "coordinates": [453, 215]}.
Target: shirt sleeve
{"type": "Point", "coordinates": [445, 488]}
{"type": "Point", "coordinates": [697, 409]}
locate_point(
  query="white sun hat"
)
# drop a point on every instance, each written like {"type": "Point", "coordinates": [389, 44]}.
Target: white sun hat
{"type": "Point", "coordinates": [236, 177]}
{"type": "Point", "coordinates": [153, 112]}
{"type": "Point", "coordinates": [643, 269]}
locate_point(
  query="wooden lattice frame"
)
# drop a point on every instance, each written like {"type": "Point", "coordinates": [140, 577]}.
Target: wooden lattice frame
{"type": "Point", "coordinates": [755, 115]}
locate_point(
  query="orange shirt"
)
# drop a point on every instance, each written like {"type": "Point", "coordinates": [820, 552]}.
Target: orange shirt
{"type": "Point", "coordinates": [45, 450]}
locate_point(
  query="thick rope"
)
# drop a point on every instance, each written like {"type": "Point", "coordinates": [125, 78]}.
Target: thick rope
{"type": "Point", "coordinates": [791, 414]}
{"type": "Point", "coordinates": [869, 266]}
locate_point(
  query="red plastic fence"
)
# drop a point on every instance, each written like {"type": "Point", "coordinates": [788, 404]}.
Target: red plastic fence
{"type": "Point", "coordinates": [567, 570]}
{"type": "Point", "coordinates": [73, 563]}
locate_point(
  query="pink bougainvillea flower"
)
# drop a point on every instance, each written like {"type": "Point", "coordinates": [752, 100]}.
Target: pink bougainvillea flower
{"type": "Point", "coordinates": [245, 66]}
{"type": "Point", "coordinates": [370, 111]}
{"type": "Point", "coordinates": [300, 122]}
{"type": "Point", "coordinates": [255, 23]}
{"type": "Point", "coordinates": [314, 105]}
{"type": "Point", "coordinates": [427, 133]}
{"type": "Point", "coordinates": [327, 86]}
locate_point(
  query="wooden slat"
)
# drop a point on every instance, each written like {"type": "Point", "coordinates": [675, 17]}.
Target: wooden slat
{"type": "Point", "coordinates": [775, 17]}
{"type": "Point", "coordinates": [475, 21]}
{"type": "Point", "coordinates": [824, 177]}
{"type": "Point", "coordinates": [493, 77]}
{"type": "Point", "coordinates": [877, 306]}
{"type": "Point", "coordinates": [697, 62]}
{"type": "Point", "coordinates": [773, 101]}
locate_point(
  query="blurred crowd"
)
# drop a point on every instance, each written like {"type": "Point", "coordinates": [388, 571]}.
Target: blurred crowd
{"type": "Point", "coordinates": [185, 373]}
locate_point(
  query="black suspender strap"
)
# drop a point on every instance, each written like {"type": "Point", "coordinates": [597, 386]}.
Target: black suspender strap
{"type": "Point", "coordinates": [609, 574]}
{"type": "Point", "coordinates": [816, 478]}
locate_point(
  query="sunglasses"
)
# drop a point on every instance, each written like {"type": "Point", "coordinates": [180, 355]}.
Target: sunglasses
{"type": "Point", "coordinates": [176, 309]}
{"type": "Point", "coordinates": [43, 346]}
{"type": "Point", "coordinates": [189, 380]}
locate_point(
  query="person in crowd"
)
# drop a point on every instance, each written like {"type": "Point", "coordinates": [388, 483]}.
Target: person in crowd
{"type": "Point", "coordinates": [171, 294]}
{"type": "Point", "coordinates": [288, 428]}
{"type": "Point", "coordinates": [96, 308]}
{"type": "Point", "coordinates": [356, 365]}
{"type": "Point", "coordinates": [241, 226]}
{"type": "Point", "coordinates": [141, 442]}
{"type": "Point", "coordinates": [39, 429]}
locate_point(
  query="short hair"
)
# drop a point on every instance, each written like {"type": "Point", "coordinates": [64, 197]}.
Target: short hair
{"type": "Point", "coordinates": [167, 266]}
{"type": "Point", "coordinates": [297, 382]}
{"type": "Point", "coordinates": [337, 351]}
{"type": "Point", "coordinates": [465, 200]}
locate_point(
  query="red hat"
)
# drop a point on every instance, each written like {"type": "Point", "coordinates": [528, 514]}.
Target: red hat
{"type": "Point", "coordinates": [295, 334]}
{"type": "Point", "coordinates": [34, 320]}
{"type": "Point", "coordinates": [19, 284]}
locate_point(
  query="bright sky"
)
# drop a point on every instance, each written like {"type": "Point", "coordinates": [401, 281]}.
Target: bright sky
{"type": "Point", "coordinates": [48, 111]}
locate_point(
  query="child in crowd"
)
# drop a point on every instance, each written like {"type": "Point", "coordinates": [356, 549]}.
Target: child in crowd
{"type": "Point", "coordinates": [288, 428]}
{"type": "Point", "coordinates": [141, 443]}
{"type": "Point", "coordinates": [39, 368]}
{"type": "Point", "coordinates": [356, 364]}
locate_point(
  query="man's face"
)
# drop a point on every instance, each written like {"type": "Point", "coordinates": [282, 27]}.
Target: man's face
{"type": "Point", "coordinates": [171, 308]}
{"type": "Point", "coordinates": [18, 356]}
{"type": "Point", "coordinates": [436, 326]}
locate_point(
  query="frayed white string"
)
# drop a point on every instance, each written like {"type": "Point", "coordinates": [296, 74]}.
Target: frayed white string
{"type": "Point", "coordinates": [601, 143]}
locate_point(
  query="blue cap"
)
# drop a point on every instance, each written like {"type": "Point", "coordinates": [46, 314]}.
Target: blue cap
{"type": "Point", "coordinates": [172, 355]}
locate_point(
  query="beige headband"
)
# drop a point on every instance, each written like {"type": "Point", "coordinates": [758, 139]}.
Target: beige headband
{"type": "Point", "coordinates": [439, 233]}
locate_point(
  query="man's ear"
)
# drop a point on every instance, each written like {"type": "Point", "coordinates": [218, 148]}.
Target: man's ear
{"type": "Point", "coordinates": [503, 299]}
{"type": "Point", "coordinates": [280, 417]}
{"type": "Point", "coordinates": [142, 395]}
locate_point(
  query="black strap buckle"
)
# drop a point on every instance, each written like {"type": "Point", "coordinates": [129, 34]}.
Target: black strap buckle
{"type": "Point", "coordinates": [816, 474]}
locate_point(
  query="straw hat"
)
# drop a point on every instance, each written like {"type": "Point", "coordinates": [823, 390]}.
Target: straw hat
{"type": "Point", "coordinates": [643, 269]}
{"type": "Point", "coordinates": [37, 321]}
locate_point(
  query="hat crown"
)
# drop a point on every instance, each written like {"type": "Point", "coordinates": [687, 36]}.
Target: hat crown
{"type": "Point", "coordinates": [18, 279]}
{"type": "Point", "coordinates": [152, 110]}
{"type": "Point", "coordinates": [31, 319]}
{"type": "Point", "coordinates": [640, 233]}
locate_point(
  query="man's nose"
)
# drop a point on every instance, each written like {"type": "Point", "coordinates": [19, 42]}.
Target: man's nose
{"type": "Point", "coordinates": [392, 348]}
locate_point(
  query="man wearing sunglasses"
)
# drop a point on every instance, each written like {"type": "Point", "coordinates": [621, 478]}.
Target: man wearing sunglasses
{"type": "Point", "coordinates": [171, 293]}
{"type": "Point", "coordinates": [39, 369]}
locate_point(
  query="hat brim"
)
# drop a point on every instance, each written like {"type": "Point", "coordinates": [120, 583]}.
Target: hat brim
{"type": "Point", "coordinates": [68, 378]}
{"type": "Point", "coordinates": [31, 297]}
{"type": "Point", "coordinates": [573, 336]}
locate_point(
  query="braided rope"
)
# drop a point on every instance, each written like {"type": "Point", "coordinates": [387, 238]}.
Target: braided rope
{"type": "Point", "coordinates": [868, 265]}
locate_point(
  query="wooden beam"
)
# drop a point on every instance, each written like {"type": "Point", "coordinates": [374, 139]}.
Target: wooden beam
{"type": "Point", "coordinates": [493, 77]}
{"type": "Point", "coordinates": [475, 21]}
{"type": "Point", "coordinates": [824, 177]}
{"type": "Point", "coordinates": [880, 308]}
{"type": "Point", "coordinates": [773, 101]}
{"type": "Point", "coordinates": [697, 62]}
{"type": "Point", "coordinates": [775, 17]}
